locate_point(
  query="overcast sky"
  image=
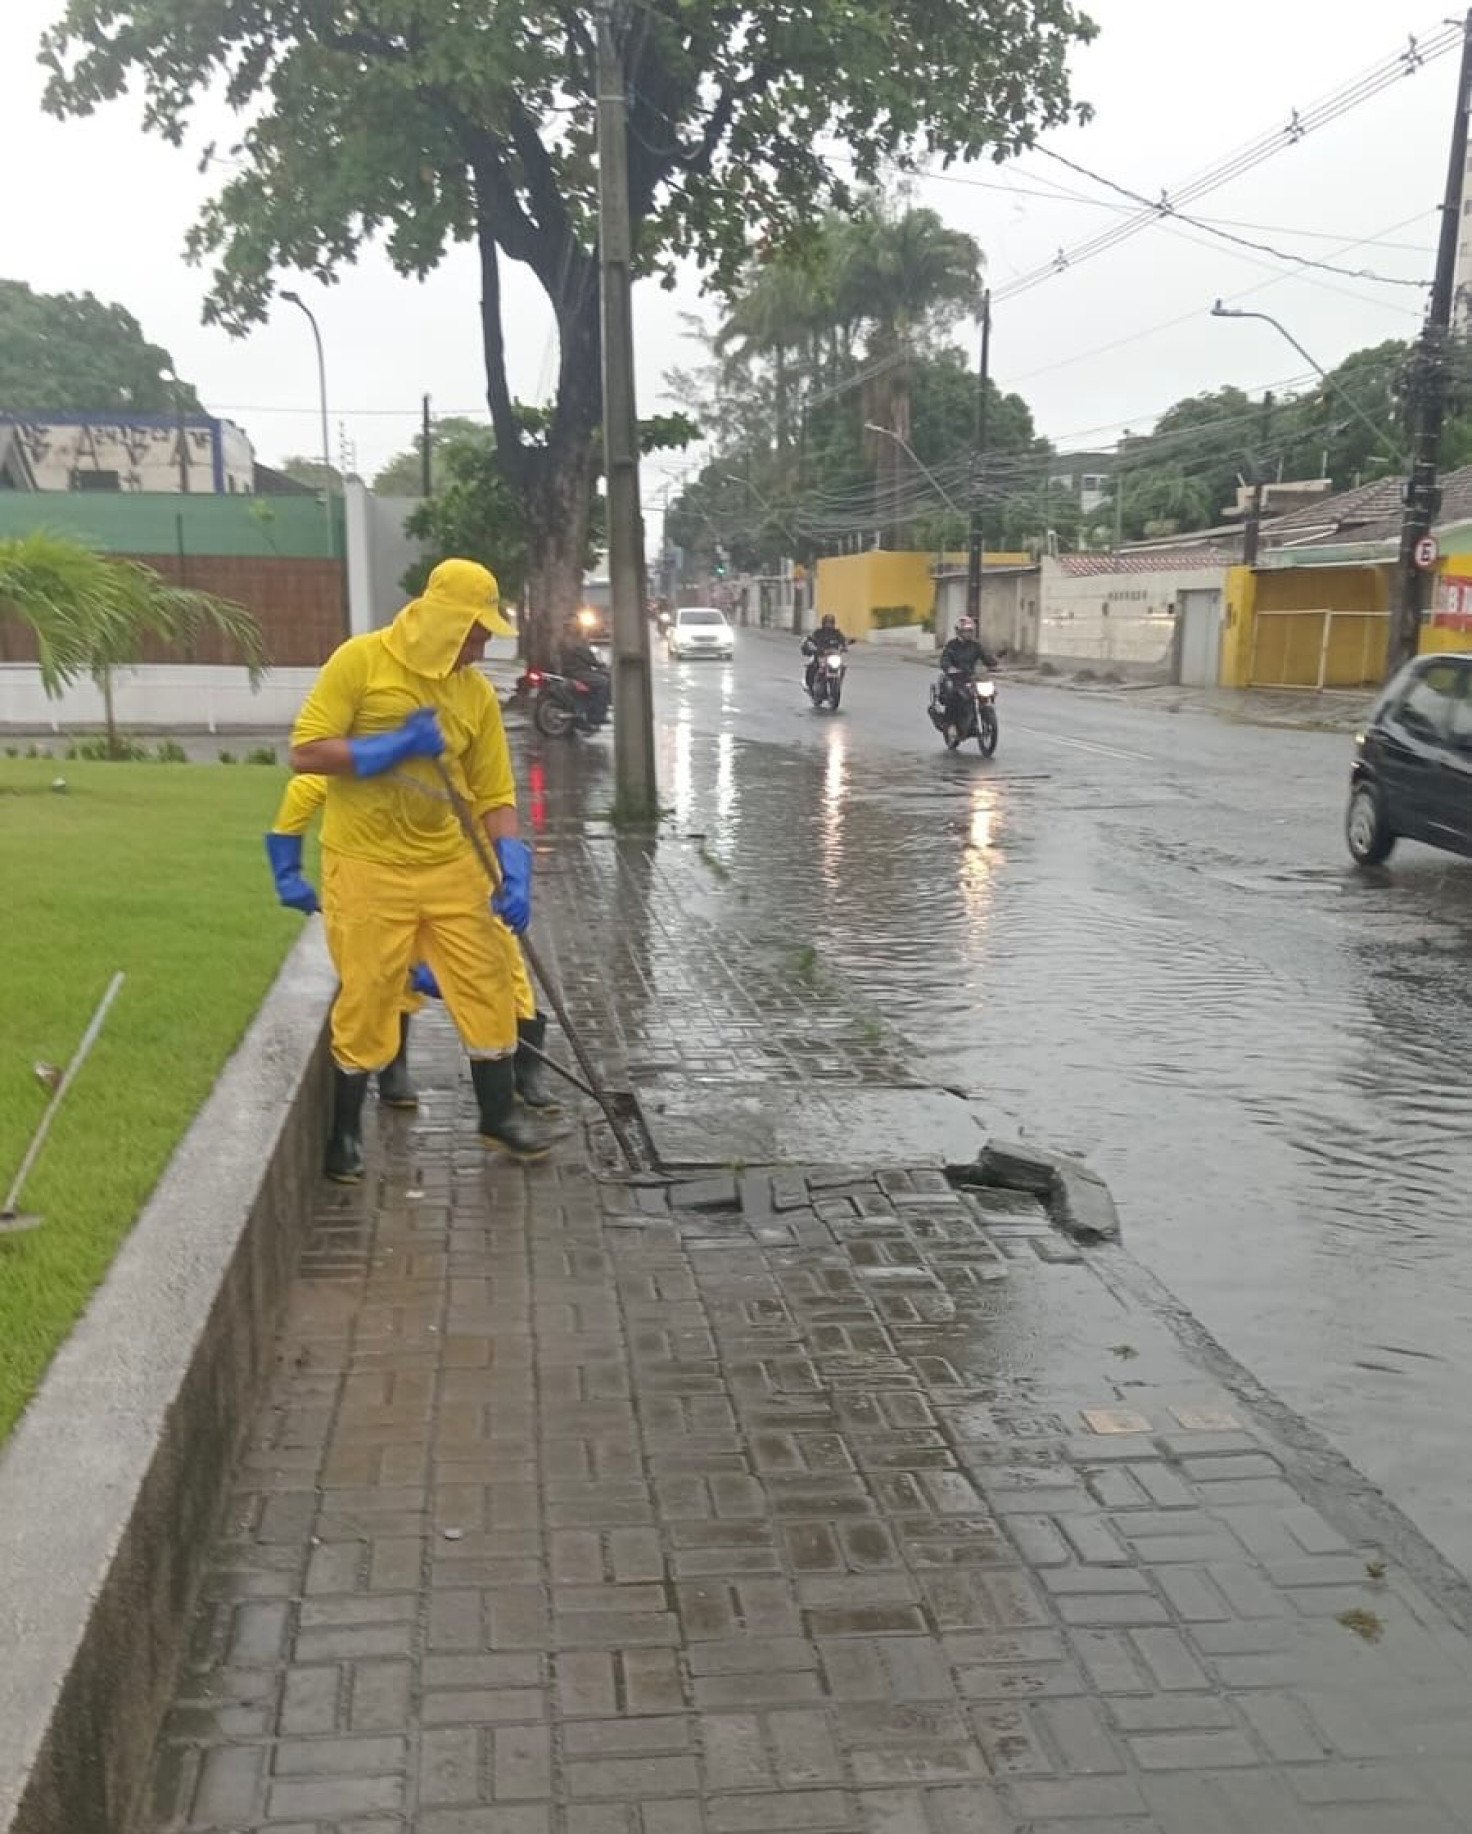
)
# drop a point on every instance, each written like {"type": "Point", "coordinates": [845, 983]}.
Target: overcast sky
{"type": "Point", "coordinates": [95, 205]}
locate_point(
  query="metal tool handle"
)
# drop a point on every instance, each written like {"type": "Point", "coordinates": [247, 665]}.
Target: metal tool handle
{"type": "Point", "coordinates": [476, 835]}
{"type": "Point", "coordinates": [79, 1057]}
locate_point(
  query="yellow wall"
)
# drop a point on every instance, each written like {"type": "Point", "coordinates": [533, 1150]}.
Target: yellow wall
{"type": "Point", "coordinates": [1286, 650]}
{"type": "Point", "coordinates": [851, 586]}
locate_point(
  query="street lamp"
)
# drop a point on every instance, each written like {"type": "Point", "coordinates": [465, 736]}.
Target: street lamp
{"type": "Point", "coordinates": [730, 477]}
{"type": "Point", "coordinates": [871, 426]}
{"type": "Point", "coordinates": [296, 299]}
{"type": "Point", "coordinates": [1221, 311]}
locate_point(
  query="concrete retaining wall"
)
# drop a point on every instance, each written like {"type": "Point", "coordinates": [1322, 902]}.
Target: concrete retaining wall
{"type": "Point", "coordinates": [112, 1483]}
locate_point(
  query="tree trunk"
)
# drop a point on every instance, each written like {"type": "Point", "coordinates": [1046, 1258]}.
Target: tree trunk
{"type": "Point", "coordinates": [108, 712]}
{"type": "Point", "coordinates": [553, 480]}
{"type": "Point", "coordinates": [558, 504]}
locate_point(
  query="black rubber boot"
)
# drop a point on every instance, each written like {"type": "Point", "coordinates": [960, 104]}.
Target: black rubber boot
{"type": "Point", "coordinates": [533, 1078]}
{"type": "Point", "coordinates": [395, 1089]}
{"type": "Point", "coordinates": [515, 1130]}
{"type": "Point", "coordinates": [345, 1143]}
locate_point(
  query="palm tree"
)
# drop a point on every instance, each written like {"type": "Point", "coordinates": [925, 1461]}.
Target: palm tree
{"type": "Point", "coordinates": [890, 276]}
{"type": "Point", "coordinates": [907, 278]}
{"type": "Point", "coordinates": [778, 317]}
{"type": "Point", "coordinates": [91, 613]}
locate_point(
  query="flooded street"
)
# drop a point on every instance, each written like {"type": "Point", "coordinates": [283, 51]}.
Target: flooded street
{"type": "Point", "coordinates": [1137, 935]}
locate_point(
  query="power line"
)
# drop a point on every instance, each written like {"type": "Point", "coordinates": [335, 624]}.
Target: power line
{"type": "Point", "coordinates": [1060, 194]}
{"type": "Point", "coordinates": [1184, 318]}
{"type": "Point", "coordinates": [1165, 209]}
{"type": "Point", "coordinates": [1299, 125]}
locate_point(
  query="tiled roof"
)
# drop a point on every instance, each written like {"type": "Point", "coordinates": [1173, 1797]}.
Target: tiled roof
{"type": "Point", "coordinates": [1370, 513]}
{"type": "Point", "coordinates": [1150, 560]}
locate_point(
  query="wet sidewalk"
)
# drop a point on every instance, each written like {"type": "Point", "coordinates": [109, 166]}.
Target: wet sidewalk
{"type": "Point", "coordinates": [822, 1499]}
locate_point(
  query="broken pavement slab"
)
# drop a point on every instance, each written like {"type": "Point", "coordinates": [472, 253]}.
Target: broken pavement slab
{"type": "Point", "coordinates": [1076, 1198]}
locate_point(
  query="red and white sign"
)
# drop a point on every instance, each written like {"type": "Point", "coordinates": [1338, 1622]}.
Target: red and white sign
{"type": "Point", "coordinates": [1453, 607]}
{"type": "Point", "coordinates": [1427, 553]}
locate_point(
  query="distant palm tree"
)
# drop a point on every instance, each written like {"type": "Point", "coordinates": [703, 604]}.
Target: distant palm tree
{"type": "Point", "coordinates": [91, 613]}
{"type": "Point", "coordinates": [779, 318]}
{"type": "Point", "coordinates": [888, 276]}
{"type": "Point", "coordinates": [905, 275]}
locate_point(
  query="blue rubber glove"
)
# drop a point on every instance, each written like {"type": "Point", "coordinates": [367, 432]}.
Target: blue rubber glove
{"type": "Point", "coordinates": [284, 851]}
{"type": "Point", "coordinates": [418, 737]}
{"type": "Point", "coordinates": [423, 981]}
{"type": "Point", "coordinates": [513, 903]}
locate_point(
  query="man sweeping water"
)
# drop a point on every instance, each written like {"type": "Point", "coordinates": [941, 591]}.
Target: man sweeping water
{"type": "Point", "coordinates": [400, 882]}
{"type": "Point", "coordinates": [301, 802]}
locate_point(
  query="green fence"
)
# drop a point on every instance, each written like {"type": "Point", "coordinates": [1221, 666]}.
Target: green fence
{"type": "Point", "coordinates": [156, 522]}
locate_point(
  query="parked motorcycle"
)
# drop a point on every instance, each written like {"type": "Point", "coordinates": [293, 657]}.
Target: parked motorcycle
{"type": "Point", "coordinates": [564, 703]}
{"type": "Point", "coordinates": [826, 687]}
{"type": "Point", "coordinates": [968, 712]}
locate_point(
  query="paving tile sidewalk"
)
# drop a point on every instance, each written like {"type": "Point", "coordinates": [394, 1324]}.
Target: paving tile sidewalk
{"type": "Point", "coordinates": [824, 1500]}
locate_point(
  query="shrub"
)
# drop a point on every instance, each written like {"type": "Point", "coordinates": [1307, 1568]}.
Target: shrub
{"type": "Point", "coordinates": [893, 617]}
{"type": "Point", "coordinates": [99, 750]}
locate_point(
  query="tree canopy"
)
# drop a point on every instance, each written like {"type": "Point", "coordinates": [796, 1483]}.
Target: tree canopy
{"type": "Point", "coordinates": [421, 123]}
{"type": "Point", "coordinates": [403, 475]}
{"type": "Point", "coordinates": [74, 353]}
{"type": "Point", "coordinates": [312, 472]}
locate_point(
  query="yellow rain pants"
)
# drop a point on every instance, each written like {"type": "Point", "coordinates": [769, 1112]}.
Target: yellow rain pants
{"type": "Point", "coordinates": [302, 799]}
{"type": "Point", "coordinates": [380, 921]}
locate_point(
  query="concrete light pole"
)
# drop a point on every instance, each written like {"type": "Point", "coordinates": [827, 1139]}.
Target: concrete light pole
{"type": "Point", "coordinates": [296, 299]}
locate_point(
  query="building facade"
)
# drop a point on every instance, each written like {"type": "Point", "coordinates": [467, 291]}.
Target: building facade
{"type": "Point", "coordinates": [195, 454]}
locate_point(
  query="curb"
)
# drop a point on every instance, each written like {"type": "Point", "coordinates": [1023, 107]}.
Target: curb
{"type": "Point", "coordinates": [1077, 1200]}
{"type": "Point", "coordinates": [112, 1482]}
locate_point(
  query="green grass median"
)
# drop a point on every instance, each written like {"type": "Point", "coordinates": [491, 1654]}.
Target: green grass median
{"type": "Point", "coordinates": [156, 869]}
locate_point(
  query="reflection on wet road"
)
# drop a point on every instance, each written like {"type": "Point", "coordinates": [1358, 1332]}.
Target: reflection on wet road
{"type": "Point", "coordinates": [1135, 933]}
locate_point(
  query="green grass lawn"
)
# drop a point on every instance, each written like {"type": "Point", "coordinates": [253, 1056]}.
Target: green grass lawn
{"type": "Point", "coordinates": [157, 869]}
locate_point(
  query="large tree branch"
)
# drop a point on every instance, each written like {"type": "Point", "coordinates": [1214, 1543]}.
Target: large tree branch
{"type": "Point", "coordinates": [650, 166]}
{"type": "Point", "coordinates": [509, 442]}
{"type": "Point", "coordinates": [539, 172]}
{"type": "Point", "coordinates": [581, 42]}
{"type": "Point", "coordinates": [496, 203]}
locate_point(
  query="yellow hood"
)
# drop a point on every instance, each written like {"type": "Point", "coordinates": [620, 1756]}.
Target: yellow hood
{"type": "Point", "coordinates": [429, 632]}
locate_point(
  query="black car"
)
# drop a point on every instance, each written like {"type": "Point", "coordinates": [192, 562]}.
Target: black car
{"type": "Point", "coordinates": [1412, 775]}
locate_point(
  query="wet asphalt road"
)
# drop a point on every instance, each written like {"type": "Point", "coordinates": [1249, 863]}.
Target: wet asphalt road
{"type": "Point", "coordinates": [1136, 934]}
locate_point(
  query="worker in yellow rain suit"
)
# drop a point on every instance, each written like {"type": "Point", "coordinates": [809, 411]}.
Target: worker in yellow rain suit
{"type": "Point", "coordinates": [303, 797]}
{"type": "Point", "coordinates": [400, 881]}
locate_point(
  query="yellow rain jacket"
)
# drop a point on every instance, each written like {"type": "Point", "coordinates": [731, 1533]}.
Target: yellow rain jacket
{"type": "Point", "coordinates": [373, 683]}
{"type": "Point", "coordinates": [303, 796]}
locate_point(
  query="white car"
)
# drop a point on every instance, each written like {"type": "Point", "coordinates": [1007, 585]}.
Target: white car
{"type": "Point", "coordinates": [701, 630]}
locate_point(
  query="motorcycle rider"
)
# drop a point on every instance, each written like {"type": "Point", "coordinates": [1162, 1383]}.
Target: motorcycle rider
{"type": "Point", "coordinates": [818, 643]}
{"type": "Point", "coordinates": [959, 661]}
{"type": "Point", "coordinates": [579, 661]}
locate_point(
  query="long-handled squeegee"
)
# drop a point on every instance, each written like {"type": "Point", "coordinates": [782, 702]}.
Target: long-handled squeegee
{"type": "Point", "coordinates": [590, 1085]}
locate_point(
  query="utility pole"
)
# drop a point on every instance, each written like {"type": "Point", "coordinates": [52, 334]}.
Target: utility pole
{"type": "Point", "coordinates": [426, 463]}
{"type": "Point", "coordinates": [636, 792]}
{"type": "Point", "coordinates": [1252, 528]}
{"type": "Point", "coordinates": [975, 546]}
{"type": "Point", "coordinates": [1428, 395]}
